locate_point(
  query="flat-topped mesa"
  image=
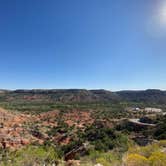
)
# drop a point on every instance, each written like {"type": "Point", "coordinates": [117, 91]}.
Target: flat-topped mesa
{"type": "Point", "coordinates": [84, 96]}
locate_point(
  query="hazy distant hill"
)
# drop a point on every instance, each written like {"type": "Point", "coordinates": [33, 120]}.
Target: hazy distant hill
{"type": "Point", "coordinates": [65, 96]}
{"type": "Point", "coordinates": [83, 96]}
{"type": "Point", "coordinates": [148, 96]}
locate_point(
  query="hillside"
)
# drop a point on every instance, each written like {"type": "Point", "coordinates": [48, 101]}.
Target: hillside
{"type": "Point", "coordinates": [83, 96]}
{"type": "Point", "coordinates": [76, 125]}
{"type": "Point", "coordinates": [147, 96]}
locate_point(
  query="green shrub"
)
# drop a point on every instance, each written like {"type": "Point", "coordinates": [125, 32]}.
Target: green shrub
{"type": "Point", "coordinates": [157, 159]}
{"type": "Point", "coordinates": [31, 155]}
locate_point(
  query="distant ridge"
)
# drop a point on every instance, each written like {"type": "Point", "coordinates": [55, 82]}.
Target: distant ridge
{"type": "Point", "coordinates": [84, 96]}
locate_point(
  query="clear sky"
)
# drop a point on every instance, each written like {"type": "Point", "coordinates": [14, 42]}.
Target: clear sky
{"type": "Point", "coordinates": [108, 44]}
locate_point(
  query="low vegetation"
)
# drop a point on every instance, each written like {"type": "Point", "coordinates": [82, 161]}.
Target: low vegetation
{"type": "Point", "coordinates": [80, 127]}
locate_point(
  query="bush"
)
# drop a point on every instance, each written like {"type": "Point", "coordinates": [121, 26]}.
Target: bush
{"type": "Point", "coordinates": [158, 159]}
{"type": "Point", "coordinates": [103, 161]}
{"type": "Point", "coordinates": [136, 160]}
{"type": "Point", "coordinates": [105, 139]}
{"type": "Point", "coordinates": [162, 143]}
{"type": "Point", "coordinates": [31, 155]}
{"type": "Point", "coordinates": [151, 155]}
{"type": "Point", "coordinates": [145, 151]}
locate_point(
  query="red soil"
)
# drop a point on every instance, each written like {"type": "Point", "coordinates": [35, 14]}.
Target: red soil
{"type": "Point", "coordinates": [15, 131]}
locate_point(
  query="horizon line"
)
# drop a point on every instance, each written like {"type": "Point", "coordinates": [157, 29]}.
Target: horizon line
{"type": "Point", "coordinates": [31, 89]}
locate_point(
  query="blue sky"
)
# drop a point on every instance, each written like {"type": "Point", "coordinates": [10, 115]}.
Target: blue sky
{"type": "Point", "coordinates": [92, 44]}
